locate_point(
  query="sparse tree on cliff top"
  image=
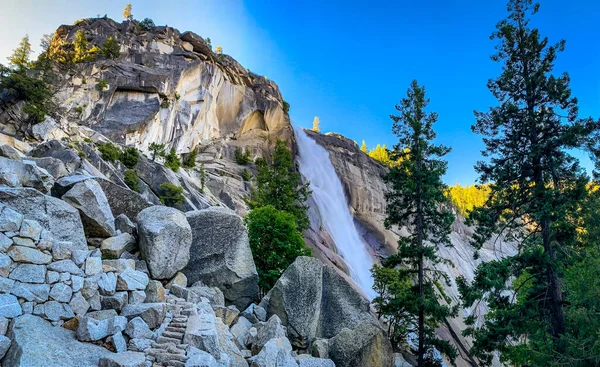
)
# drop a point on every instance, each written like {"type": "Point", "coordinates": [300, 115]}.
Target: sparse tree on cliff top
{"type": "Point", "coordinates": [19, 60]}
{"type": "Point", "coordinates": [127, 12]}
{"type": "Point", "coordinates": [408, 284]}
{"type": "Point", "coordinates": [316, 128]}
{"type": "Point", "coordinates": [536, 188]}
{"type": "Point", "coordinates": [219, 50]}
{"type": "Point", "coordinates": [363, 147]}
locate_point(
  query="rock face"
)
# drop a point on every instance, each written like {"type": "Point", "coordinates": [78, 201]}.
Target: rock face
{"type": "Point", "coordinates": [37, 343]}
{"type": "Point", "coordinates": [89, 199]}
{"type": "Point", "coordinates": [165, 239]}
{"type": "Point", "coordinates": [56, 216]}
{"type": "Point", "coordinates": [220, 255]}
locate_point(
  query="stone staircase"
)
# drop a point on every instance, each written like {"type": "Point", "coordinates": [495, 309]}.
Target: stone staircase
{"type": "Point", "coordinates": [169, 350]}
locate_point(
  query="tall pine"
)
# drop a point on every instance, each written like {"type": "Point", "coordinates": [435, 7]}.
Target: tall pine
{"type": "Point", "coordinates": [408, 284]}
{"type": "Point", "coordinates": [535, 189]}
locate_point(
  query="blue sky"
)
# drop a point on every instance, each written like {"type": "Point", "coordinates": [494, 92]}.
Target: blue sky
{"type": "Point", "coordinates": [350, 63]}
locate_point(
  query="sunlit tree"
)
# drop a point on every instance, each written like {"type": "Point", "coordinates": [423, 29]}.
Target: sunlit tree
{"type": "Point", "coordinates": [316, 127]}
{"type": "Point", "coordinates": [127, 12]}
{"type": "Point", "coordinates": [19, 60]}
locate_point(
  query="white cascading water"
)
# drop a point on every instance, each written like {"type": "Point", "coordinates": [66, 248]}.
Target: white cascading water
{"type": "Point", "coordinates": [328, 194]}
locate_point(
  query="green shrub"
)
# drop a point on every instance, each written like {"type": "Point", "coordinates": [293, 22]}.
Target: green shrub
{"type": "Point", "coordinates": [286, 107]}
{"type": "Point", "coordinates": [171, 195]}
{"type": "Point", "coordinates": [246, 176]}
{"type": "Point", "coordinates": [172, 161]}
{"type": "Point", "coordinates": [82, 154]}
{"type": "Point", "coordinates": [102, 85]}
{"type": "Point", "coordinates": [88, 140]}
{"type": "Point", "coordinates": [202, 173]}
{"type": "Point", "coordinates": [132, 180]}
{"type": "Point", "coordinates": [275, 243]}
{"type": "Point", "coordinates": [145, 25]}
{"type": "Point", "coordinates": [157, 150]}
{"type": "Point", "coordinates": [130, 157]}
{"type": "Point", "coordinates": [165, 103]}
{"type": "Point", "coordinates": [35, 92]}
{"type": "Point", "coordinates": [110, 152]}
{"type": "Point", "coordinates": [111, 48]}
{"type": "Point", "coordinates": [78, 109]}
{"type": "Point", "coordinates": [242, 158]}
{"type": "Point", "coordinates": [190, 160]}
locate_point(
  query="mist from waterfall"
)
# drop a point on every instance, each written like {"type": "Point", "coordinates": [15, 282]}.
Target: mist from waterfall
{"type": "Point", "coordinates": [328, 194]}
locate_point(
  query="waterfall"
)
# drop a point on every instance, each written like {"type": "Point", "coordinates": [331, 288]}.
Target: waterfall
{"type": "Point", "coordinates": [328, 194]}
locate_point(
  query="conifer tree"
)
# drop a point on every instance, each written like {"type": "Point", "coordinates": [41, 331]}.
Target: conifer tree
{"type": "Point", "coordinates": [407, 283]}
{"type": "Point", "coordinates": [536, 187]}
{"type": "Point", "coordinates": [19, 60]}
{"type": "Point", "coordinates": [127, 12]}
{"type": "Point", "coordinates": [81, 47]}
{"type": "Point", "coordinates": [316, 128]}
{"type": "Point", "coordinates": [363, 147]}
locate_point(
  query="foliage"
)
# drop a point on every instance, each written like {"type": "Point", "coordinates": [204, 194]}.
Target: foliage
{"type": "Point", "coordinates": [19, 60]}
{"type": "Point", "coordinates": [35, 92]}
{"type": "Point", "coordinates": [58, 50]}
{"type": "Point", "coordinates": [202, 172]}
{"type": "Point", "coordinates": [145, 25]}
{"type": "Point", "coordinates": [279, 184]}
{"type": "Point", "coordinates": [286, 107]}
{"type": "Point", "coordinates": [242, 158]}
{"type": "Point", "coordinates": [157, 150]}
{"type": "Point", "coordinates": [536, 191]}
{"type": "Point", "coordinates": [190, 160]}
{"type": "Point", "coordinates": [219, 50]}
{"type": "Point", "coordinates": [316, 123]}
{"type": "Point", "coordinates": [380, 154]}
{"type": "Point", "coordinates": [207, 40]}
{"type": "Point", "coordinates": [408, 282]}
{"type": "Point", "coordinates": [171, 195]}
{"type": "Point", "coordinates": [165, 103]}
{"type": "Point", "coordinates": [111, 48]}
{"type": "Point", "coordinates": [363, 146]}
{"type": "Point", "coordinates": [130, 157]}
{"type": "Point", "coordinates": [110, 152]}
{"type": "Point", "coordinates": [102, 85]}
{"type": "Point", "coordinates": [246, 176]}
{"type": "Point", "coordinates": [45, 42]}
{"type": "Point", "coordinates": [81, 48]}
{"type": "Point", "coordinates": [132, 180]}
{"type": "Point", "coordinates": [275, 243]}
{"type": "Point", "coordinates": [466, 198]}
{"type": "Point", "coordinates": [172, 161]}
{"type": "Point", "coordinates": [127, 12]}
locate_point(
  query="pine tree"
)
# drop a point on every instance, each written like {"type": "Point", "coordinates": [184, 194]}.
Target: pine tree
{"type": "Point", "coordinates": [81, 47]}
{"type": "Point", "coordinates": [536, 187]}
{"type": "Point", "coordinates": [316, 128]}
{"type": "Point", "coordinates": [363, 147]}
{"type": "Point", "coordinates": [111, 48]}
{"type": "Point", "coordinates": [19, 60]}
{"type": "Point", "coordinates": [408, 283]}
{"type": "Point", "coordinates": [219, 50]}
{"type": "Point", "coordinates": [279, 184]}
{"type": "Point", "coordinates": [157, 150]}
{"type": "Point", "coordinates": [127, 12]}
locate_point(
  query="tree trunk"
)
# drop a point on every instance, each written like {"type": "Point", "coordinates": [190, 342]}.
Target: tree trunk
{"type": "Point", "coordinates": [420, 276]}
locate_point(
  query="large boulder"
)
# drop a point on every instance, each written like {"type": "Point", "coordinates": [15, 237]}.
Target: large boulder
{"type": "Point", "coordinates": [37, 343]}
{"type": "Point", "coordinates": [276, 352]}
{"type": "Point", "coordinates": [164, 240]}
{"type": "Point", "coordinates": [220, 255]}
{"type": "Point", "coordinates": [87, 196]}
{"type": "Point", "coordinates": [25, 173]}
{"type": "Point", "coordinates": [56, 216]}
{"type": "Point", "coordinates": [122, 200]}
{"type": "Point", "coordinates": [364, 346]}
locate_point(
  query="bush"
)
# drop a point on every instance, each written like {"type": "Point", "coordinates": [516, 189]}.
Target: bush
{"type": "Point", "coordinates": [145, 25]}
{"type": "Point", "coordinates": [171, 195]}
{"type": "Point", "coordinates": [172, 161]}
{"type": "Point", "coordinates": [242, 158]}
{"type": "Point", "coordinates": [111, 48]}
{"type": "Point", "coordinates": [246, 176]}
{"type": "Point", "coordinates": [286, 107]}
{"type": "Point", "coordinates": [157, 150]}
{"type": "Point", "coordinates": [35, 92]}
{"type": "Point", "coordinates": [165, 103]}
{"type": "Point", "coordinates": [275, 243]}
{"type": "Point", "coordinates": [110, 152]}
{"type": "Point", "coordinates": [130, 157]}
{"type": "Point", "coordinates": [102, 85]}
{"type": "Point", "coordinates": [132, 180]}
{"type": "Point", "coordinates": [190, 160]}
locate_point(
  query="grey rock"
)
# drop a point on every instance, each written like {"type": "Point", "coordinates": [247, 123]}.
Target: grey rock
{"type": "Point", "coordinates": [200, 358]}
{"type": "Point", "coordinates": [124, 359]}
{"type": "Point", "coordinates": [122, 200]}
{"type": "Point", "coordinates": [91, 329]}
{"type": "Point", "coordinates": [76, 283]}
{"type": "Point", "coordinates": [22, 241]}
{"type": "Point", "coordinates": [137, 328]}
{"type": "Point", "coordinates": [305, 360]}
{"type": "Point", "coordinates": [399, 361]}
{"type": "Point", "coordinates": [131, 280]}
{"type": "Point", "coordinates": [27, 307]}
{"type": "Point", "coordinates": [320, 348]}
{"type": "Point", "coordinates": [5, 263]}
{"type": "Point", "coordinates": [116, 301]}
{"type": "Point", "coordinates": [29, 273]}
{"type": "Point", "coordinates": [31, 292]}
{"type": "Point", "coordinates": [221, 256]}
{"type": "Point", "coordinates": [95, 302]}
{"type": "Point", "coordinates": [65, 266]}
{"type": "Point", "coordinates": [125, 225]}
{"type": "Point", "coordinates": [197, 291]}
{"type": "Point", "coordinates": [103, 314]}
{"type": "Point", "coordinates": [33, 338]}
{"type": "Point", "coordinates": [155, 292]}
{"type": "Point", "coordinates": [366, 345]}
{"type": "Point", "coordinates": [79, 257]}
{"type": "Point", "coordinates": [227, 314]}
{"type": "Point", "coordinates": [79, 305]}
{"type": "Point", "coordinates": [55, 311]}
{"type": "Point", "coordinates": [55, 167]}
{"type": "Point", "coordinates": [28, 255]}
{"type": "Point", "coordinates": [139, 345]}
{"type": "Point", "coordinates": [53, 214]}
{"type": "Point", "coordinates": [201, 331]}
{"type": "Point", "coordinates": [4, 345]}
{"type": "Point", "coordinates": [228, 346]}
{"type": "Point", "coordinates": [118, 342]}
{"type": "Point", "coordinates": [272, 329]}
{"type": "Point", "coordinates": [46, 241]}
{"type": "Point", "coordinates": [93, 265]}
{"type": "Point", "coordinates": [118, 265]}
{"type": "Point", "coordinates": [30, 229]}
{"type": "Point", "coordinates": [107, 284]}
{"type": "Point", "coordinates": [87, 196]}
{"type": "Point", "coordinates": [52, 277]}
{"type": "Point", "coordinates": [64, 277]}
{"type": "Point", "coordinates": [6, 285]}
{"type": "Point", "coordinates": [113, 247]}
{"type": "Point", "coordinates": [5, 242]}
{"type": "Point", "coordinates": [179, 279]}
{"type": "Point", "coordinates": [3, 325]}
{"type": "Point", "coordinates": [137, 297]}
{"type": "Point", "coordinates": [165, 239]}
{"type": "Point", "coordinates": [64, 184]}
{"type": "Point", "coordinates": [9, 306]}
{"type": "Point", "coordinates": [24, 173]}
{"type": "Point", "coordinates": [61, 250]}
{"type": "Point", "coordinates": [10, 152]}
{"type": "Point", "coordinates": [152, 313]}
{"type": "Point", "coordinates": [10, 220]}
{"type": "Point", "coordinates": [240, 331]}
{"type": "Point", "coordinates": [254, 313]}
{"type": "Point", "coordinates": [276, 352]}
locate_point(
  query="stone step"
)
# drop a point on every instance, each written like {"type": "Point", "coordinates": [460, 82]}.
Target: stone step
{"type": "Point", "coordinates": [175, 329]}
{"type": "Point", "coordinates": [170, 357]}
{"type": "Point", "coordinates": [172, 334]}
{"type": "Point", "coordinates": [175, 364]}
{"type": "Point", "coordinates": [189, 312]}
{"type": "Point", "coordinates": [163, 339]}
{"type": "Point", "coordinates": [182, 346]}
{"type": "Point", "coordinates": [177, 325]}
{"type": "Point", "coordinates": [164, 346]}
